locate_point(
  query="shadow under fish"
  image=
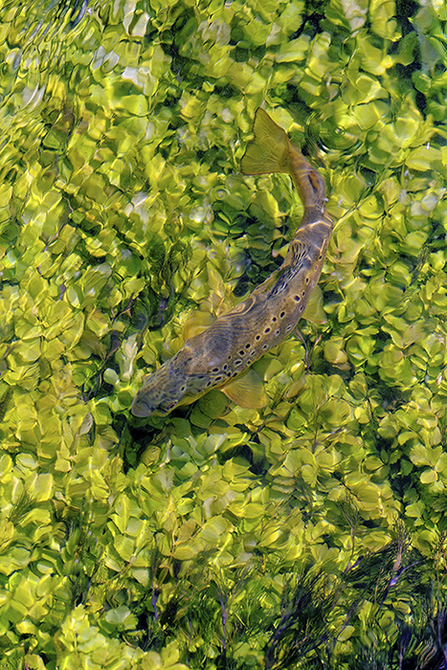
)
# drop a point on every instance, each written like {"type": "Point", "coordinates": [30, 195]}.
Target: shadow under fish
{"type": "Point", "coordinates": [221, 355]}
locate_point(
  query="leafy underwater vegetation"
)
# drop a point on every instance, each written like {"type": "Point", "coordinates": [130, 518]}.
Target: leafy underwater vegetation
{"type": "Point", "coordinates": [308, 534]}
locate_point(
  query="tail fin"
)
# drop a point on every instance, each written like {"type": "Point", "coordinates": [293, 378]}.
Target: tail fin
{"type": "Point", "coordinates": [270, 149]}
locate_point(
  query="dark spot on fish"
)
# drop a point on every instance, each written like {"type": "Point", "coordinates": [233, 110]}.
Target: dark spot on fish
{"type": "Point", "coordinates": [307, 280]}
{"type": "Point", "coordinates": [238, 361]}
{"type": "Point", "coordinates": [301, 308]}
{"type": "Point", "coordinates": [241, 352]}
{"type": "Point", "coordinates": [258, 337]}
{"type": "Point", "coordinates": [303, 293]}
{"type": "Point", "coordinates": [215, 370]}
{"type": "Point", "coordinates": [289, 328]}
{"type": "Point", "coordinates": [209, 382]}
{"type": "Point", "coordinates": [267, 330]}
{"type": "Point", "coordinates": [265, 346]}
{"type": "Point", "coordinates": [282, 315]}
{"type": "Point", "coordinates": [320, 257]}
{"type": "Point", "coordinates": [313, 181]}
{"type": "Point", "coordinates": [218, 379]}
{"type": "Point", "coordinates": [172, 404]}
{"type": "Point", "coordinates": [182, 389]}
{"type": "Point", "coordinates": [277, 332]}
{"type": "Point", "coordinates": [274, 319]}
{"type": "Point", "coordinates": [296, 298]}
{"type": "Point", "coordinates": [248, 345]}
{"type": "Point", "coordinates": [224, 366]}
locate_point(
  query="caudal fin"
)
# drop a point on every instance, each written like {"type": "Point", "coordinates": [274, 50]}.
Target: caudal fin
{"type": "Point", "coordinates": [269, 151]}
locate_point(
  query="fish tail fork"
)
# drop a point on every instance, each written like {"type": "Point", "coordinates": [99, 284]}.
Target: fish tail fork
{"type": "Point", "coordinates": [269, 151]}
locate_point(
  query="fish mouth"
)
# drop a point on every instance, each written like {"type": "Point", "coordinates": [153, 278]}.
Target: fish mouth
{"type": "Point", "coordinates": [141, 408]}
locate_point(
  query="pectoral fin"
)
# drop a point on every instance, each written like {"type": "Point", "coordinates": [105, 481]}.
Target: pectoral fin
{"type": "Point", "coordinates": [247, 390]}
{"type": "Point", "coordinates": [314, 311]}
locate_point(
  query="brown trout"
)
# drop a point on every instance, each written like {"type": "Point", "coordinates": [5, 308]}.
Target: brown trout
{"type": "Point", "coordinates": [237, 339]}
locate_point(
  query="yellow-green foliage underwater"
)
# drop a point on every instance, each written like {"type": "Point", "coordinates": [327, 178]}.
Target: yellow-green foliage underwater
{"type": "Point", "coordinates": [309, 533]}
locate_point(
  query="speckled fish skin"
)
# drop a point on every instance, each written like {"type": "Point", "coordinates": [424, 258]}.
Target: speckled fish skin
{"type": "Point", "coordinates": [240, 337]}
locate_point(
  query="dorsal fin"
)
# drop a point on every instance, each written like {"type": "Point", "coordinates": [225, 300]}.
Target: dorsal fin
{"type": "Point", "coordinates": [196, 323]}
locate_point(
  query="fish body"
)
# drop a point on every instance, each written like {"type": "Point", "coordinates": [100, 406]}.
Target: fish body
{"type": "Point", "coordinates": [227, 348]}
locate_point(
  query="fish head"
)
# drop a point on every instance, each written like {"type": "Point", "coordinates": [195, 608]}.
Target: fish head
{"type": "Point", "coordinates": [180, 380]}
{"type": "Point", "coordinates": [160, 394]}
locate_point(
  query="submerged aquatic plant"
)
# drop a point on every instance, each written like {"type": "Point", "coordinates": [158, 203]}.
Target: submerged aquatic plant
{"type": "Point", "coordinates": [186, 541]}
